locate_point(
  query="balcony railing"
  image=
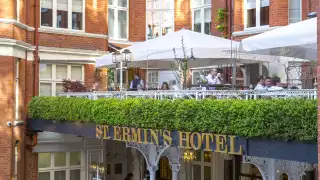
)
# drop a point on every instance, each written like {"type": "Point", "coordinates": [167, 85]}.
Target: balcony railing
{"type": "Point", "coordinates": [198, 94]}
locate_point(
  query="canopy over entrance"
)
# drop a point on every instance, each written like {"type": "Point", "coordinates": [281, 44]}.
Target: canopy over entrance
{"type": "Point", "coordinates": [298, 40]}
{"type": "Point", "coordinates": [206, 50]}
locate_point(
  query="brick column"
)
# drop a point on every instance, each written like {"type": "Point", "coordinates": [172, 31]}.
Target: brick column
{"type": "Point", "coordinates": [182, 15]}
{"type": "Point", "coordinates": [278, 13]}
{"type": "Point", "coordinates": [137, 20]}
{"type": "Point", "coordinates": [7, 75]}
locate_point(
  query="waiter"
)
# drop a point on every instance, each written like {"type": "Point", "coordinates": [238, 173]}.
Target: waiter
{"type": "Point", "coordinates": [135, 82]}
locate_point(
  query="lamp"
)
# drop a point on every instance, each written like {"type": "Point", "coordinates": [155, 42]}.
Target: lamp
{"type": "Point", "coordinates": [116, 57]}
{"type": "Point", "coordinates": [189, 155]}
{"type": "Point", "coordinates": [120, 58]}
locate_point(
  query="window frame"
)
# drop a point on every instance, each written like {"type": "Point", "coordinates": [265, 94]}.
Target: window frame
{"type": "Point", "coordinates": [148, 75]}
{"type": "Point", "coordinates": [54, 16]}
{"type": "Point", "coordinates": [116, 9]}
{"type": "Point", "coordinates": [66, 168]}
{"type": "Point", "coordinates": [202, 9]}
{"type": "Point", "coordinates": [258, 10]}
{"type": "Point", "coordinates": [300, 10]}
{"type": "Point", "coordinates": [54, 81]}
{"type": "Point", "coordinates": [202, 164]}
{"type": "Point", "coordinates": [161, 10]}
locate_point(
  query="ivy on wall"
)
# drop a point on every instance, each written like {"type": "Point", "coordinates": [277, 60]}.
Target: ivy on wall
{"type": "Point", "coordinates": [221, 18]}
{"type": "Point", "coordinates": [284, 119]}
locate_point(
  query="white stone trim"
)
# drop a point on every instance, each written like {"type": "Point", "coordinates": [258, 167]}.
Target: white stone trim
{"type": "Point", "coordinates": [16, 23]}
{"type": "Point", "coordinates": [15, 48]}
{"type": "Point", "coordinates": [115, 41]}
{"type": "Point", "coordinates": [71, 32]}
{"type": "Point", "coordinates": [254, 30]}
{"type": "Point", "coordinates": [71, 51]}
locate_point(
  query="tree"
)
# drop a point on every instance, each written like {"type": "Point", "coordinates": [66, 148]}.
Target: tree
{"type": "Point", "coordinates": [180, 66]}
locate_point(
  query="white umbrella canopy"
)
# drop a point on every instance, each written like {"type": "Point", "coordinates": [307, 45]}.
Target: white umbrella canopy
{"type": "Point", "coordinates": [158, 52]}
{"type": "Point", "coordinates": [298, 40]}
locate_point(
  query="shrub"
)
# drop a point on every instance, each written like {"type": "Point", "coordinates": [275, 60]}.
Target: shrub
{"type": "Point", "coordinates": [285, 119]}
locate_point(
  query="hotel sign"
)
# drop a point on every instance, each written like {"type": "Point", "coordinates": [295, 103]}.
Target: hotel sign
{"type": "Point", "coordinates": [189, 140]}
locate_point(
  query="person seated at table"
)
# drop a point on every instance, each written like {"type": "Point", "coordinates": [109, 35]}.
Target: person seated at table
{"type": "Point", "coordinates": [270, 84]}
{"type": "Point", "coordinates": [135, 82]}
{"type": "Point", "coordinates": [165, 86]}
{"type": "Point", "coordinates": [139, 87]}
{"type": "Point", "coordinates": [214, 77]}
{"type": "Point", "coordinates": [174, 86]}
{"type": "Point", "coordinates": [260, 84]}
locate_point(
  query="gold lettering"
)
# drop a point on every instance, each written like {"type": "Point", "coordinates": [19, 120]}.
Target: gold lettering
{"type": "Point", "coordinates": [167, 137]}
{"type": "Point", "coordinates": [126, 134]}
{"type": "Point", "coordinates": [186, 139]}
{"type": "Point", "coordinates": [221, 145]}
{"type": "Point", "coordinates": [117, 133]}
{"type": "Point", "coordinates": [136, 135]}
{"type": "Point", "coordinates": [233, 148]}
{"type": "Point", "coordinates": [154, 136]}
{"type": "Point", "coordinates": [207, 137]}
{"type": "Point", "coordinates": [106, 132]}
{"type": "Point", "coordinates": [145, 136]}
{"type": "Point", "coordinates": [98, 131]}
{"type": "Point", "coordinates": [199, 141]}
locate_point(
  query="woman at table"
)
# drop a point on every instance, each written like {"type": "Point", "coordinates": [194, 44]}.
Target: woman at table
{"type": "Point", "coordinates": [165, 86]}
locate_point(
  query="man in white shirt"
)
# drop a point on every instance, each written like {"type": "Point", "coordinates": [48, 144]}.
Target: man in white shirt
{"type": "Point", "coordinates": [214, 77]}
{"type": "Point", "coordinates": [271, 85]}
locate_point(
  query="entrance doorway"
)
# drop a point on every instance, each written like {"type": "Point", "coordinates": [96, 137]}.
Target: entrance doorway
{"type": "Point", "coordinates": [164, 172]}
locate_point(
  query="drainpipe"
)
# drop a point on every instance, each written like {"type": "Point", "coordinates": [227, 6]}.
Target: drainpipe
{"type": "Point", "coordinates": [36, 51]}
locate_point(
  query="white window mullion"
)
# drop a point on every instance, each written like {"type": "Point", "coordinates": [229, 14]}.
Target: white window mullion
{"type": "Point", "coordinates": [258, 9]}
{"type": "Point", "coordinates": [18, 10]}
{"type": "Point", "coordinates": [84, 15]}
{"type": "Point", "coordinates": [68, 165]}
{"type": "Point", "coordinates": [54, 89]}
{"type": "Point", "coordinates": [51, 166]}
{"type": "Point", "coordinates": [245, 13]}
{"type": "Point", "coordinates": [54, 13]}
{"type": "Point", "coordinates": [116, 24]}
{"type": "Point", "coordinates": [202, 20]}
{"type": "Point", "coordinates": [68, 71]}
{"type": "Point", "coordinates": [160, 24]}
{"type": "Point", "coordinates": [69, 14]}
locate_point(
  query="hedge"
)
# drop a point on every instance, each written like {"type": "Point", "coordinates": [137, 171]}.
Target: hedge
{"type": "Point", "coordinates": [285, 119]}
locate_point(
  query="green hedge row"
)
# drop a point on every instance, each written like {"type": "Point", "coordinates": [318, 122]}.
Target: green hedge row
{"type": "Point", "coordinates": [284, 119]}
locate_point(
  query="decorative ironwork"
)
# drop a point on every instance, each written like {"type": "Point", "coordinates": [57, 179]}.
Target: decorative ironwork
{"type": "Point", "coordinates": [197, 94]}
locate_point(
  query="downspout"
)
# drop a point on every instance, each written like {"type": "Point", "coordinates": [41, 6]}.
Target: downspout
{"type": "Point", "coordinates": [36, 51]}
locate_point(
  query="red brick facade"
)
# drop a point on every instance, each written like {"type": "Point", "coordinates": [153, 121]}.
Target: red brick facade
{"type": "Point", "coordinates": [96, 23]}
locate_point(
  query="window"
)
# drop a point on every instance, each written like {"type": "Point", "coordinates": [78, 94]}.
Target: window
{"type": "Point", "coordinates": [59, 166]}
{"type": "Point", "coordinates": [160, 17]}
{"type": "Point", "coordinates": [51, 76]}
{"type": "Point", "coordinates": [118, 19]}
{"type": "Point", "coordinates": [202, 166]}
{"type": "Point", "coordinates": [201, 13]}
{"type": "Point", "coordinates": [294, 11]}
{"type": "Point", "coordinates": [196, 75]}
{"type": "Point", "coordinates": [153, 79]}
{"type": "Point", "coordinates": [68, 14]}
{"type": "Point", "coordinates": [115, 168]}
{"type": "Point", "coordinates": [257, 13]}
